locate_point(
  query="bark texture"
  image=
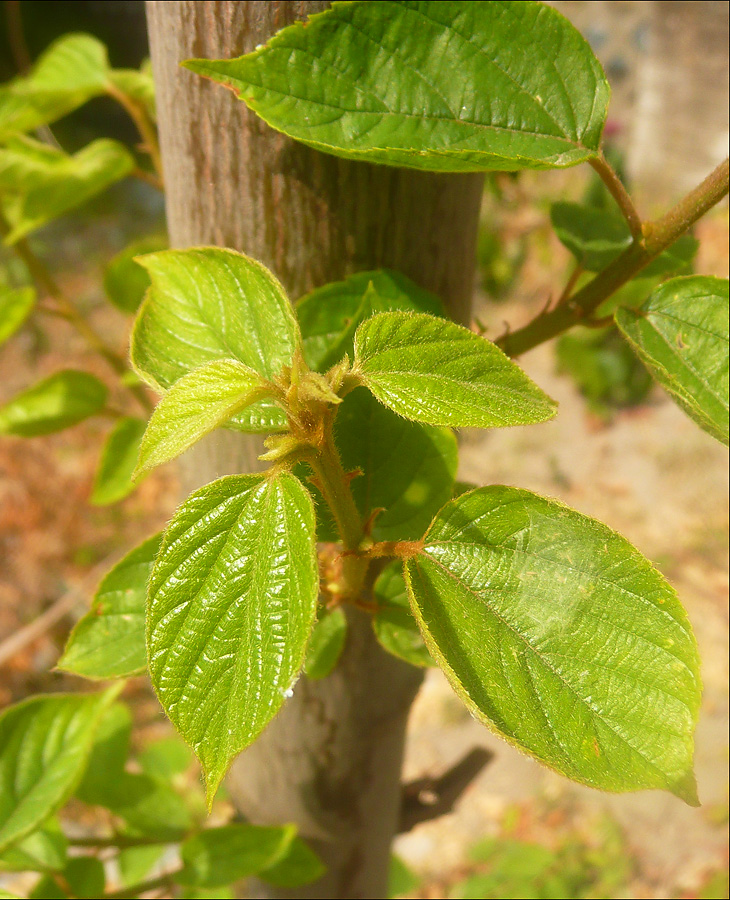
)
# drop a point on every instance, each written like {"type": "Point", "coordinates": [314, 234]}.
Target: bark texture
{"type": "Point", "coordinates": [331, 760]}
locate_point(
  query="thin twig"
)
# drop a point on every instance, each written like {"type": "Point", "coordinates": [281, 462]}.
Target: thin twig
{"type": "Point", "coordinates": [145, 127]}
{"type": "Point", "coordinates": [619, 193]}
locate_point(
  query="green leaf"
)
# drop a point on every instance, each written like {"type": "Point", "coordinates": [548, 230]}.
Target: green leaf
{"type": "Point", "coordinates": [195, 405]}
{"type": "Point", "coordinates": [137, 84]}
{"type": "Point", "coordinates": [135, 863]}
{"type": "Point", "coordinates": [59, 401]}
{"type": "Point", "coordinates": [232, 602]}
{"type": "Point", "coordinates": [149, 807]}
{"type": "Point", "coordinates": [329, 315]}
{"type": "Point", "coordinates": [218, 856]}
{"type": "Point", "coordinates": [44, 744]}
{"type": "Point", "coordinates": [47, 889]}
{"type": "Point", "coordinates": [561, 637]}
{"type": "Point", "coordinates": [16, 304]}
{"type": "Point", "coordinates": [4, 895]}
{"type": "Point", "coordinates": [375, 81]}
{"type": "Point", "coordinates": [439, 373]}
{"type": "Point", "coordinates": [207, 304]}
{"type": "Point", "coordinates": [393, 623]}
{"type": "Point", "coordinates": [326, 643]}
{"type": "Point", "coordinates": [43, 850]}
{"type": "Point", "coordinates": [681, 336]}
{"type": "Point", "coordinates": [165, 758]}
{"type": "Point", "coordinates": [109, 641]}
{"type": "Point", "coordinates": [113, 480]}
{"type": "Point", "coordinates": [71, 71]}
{"type": "Point", "coordinates": [125, 280]}
{"type": "Point", "coordinates": [39, 183]}
{"type": "Point", "coordinates": [401, 879]}
{"type": "Point", "coordinates": [596, 237]}
{"type": "Point", "coordinates": [85, 876]}
{"type": "Point", "coordinates": [108, 756]}
{"type": "Point", "coordinates": [299, 865]}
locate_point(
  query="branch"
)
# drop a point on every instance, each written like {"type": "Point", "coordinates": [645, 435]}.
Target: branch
{"type": "Point", "coordinates": [619, 193]}
{"type": "Point", "coordinates": [657, 236]}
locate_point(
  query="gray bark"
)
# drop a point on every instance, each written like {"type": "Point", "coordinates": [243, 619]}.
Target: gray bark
{"type": "Point", "coordinates": [331, 760]}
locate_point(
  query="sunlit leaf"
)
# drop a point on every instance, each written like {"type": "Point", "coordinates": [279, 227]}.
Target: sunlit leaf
{"type": "Point", "coordinates": [16, 304]}
{"type": "Point", "coordinates": [561, 637]}
{"type": "Point", "coordinates": [59, 401]}
{"type": "Point", "coordinates": [376, 81]}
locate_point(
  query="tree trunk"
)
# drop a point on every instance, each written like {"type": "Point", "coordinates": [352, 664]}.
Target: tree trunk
{"type": "Point", "coordinates": [331, 760]}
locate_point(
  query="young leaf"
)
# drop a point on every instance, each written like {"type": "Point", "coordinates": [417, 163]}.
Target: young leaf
{"type": "Point", "coordinates": [108, 642]}
{"type": "Point", "coordinates": [326, 643]}
{"type": "Point", "coordinates": [71, 71]}
{"type": "Point", "coordinates": [194, 406]}
{"type": "Point", "coordinates": [125, 280]}
{"type": "Point", "coordinates": [16, 304]}
{"type": "Point", "coordinates": [375, 81]}
{"type": "Point", "coordinates": [113, 480]}
{"type": "Point", "coordinates": [595, 237]}
{"type": "Point", "coordinates": [681, 336]}
{"type": "Point", "coordinates": [232, 602]}
{"type": "Point", "coordinates": [393, 623]}
{"type": "Point", "coordinates": [299, 865]}
{"type": "Point", "coordinates": [207, 304]}
{"type": "Point", "coordinates": [218, 856]}
{"type": "Point", "coordinates": [59, 401]}
{"type": "Point", "coordinates": [43, 850]}
{"type": "Point", "coordinates": [330, 315]}
{"type": "Point", "coordinates": [44, 744]}
{"type": "Point", "coordinates": [39, 183]}
{"type": "Point", "coordinates": [433, 371]}
{"type": "Point", "coordinates": [561, 637]}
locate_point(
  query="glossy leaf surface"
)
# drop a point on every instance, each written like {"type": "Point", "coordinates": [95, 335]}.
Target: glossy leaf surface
{"type": "Point", "coordinates": [596, 237]}
{"type": "Point", "coordinates": [195, 405]}
{"type": "Point", "coordinates": [208, 304]}
{"type": "Point", "coordinates": [44, 745]}
{"type": "Point", "coordinates": [16, 304]}
{"type": "Point", "coordinates": [39, 183]}
{"type": "Point", "coordinates": [436, 372]}
{"type": "Point", "coordinates": [681, 336]}
{"type": "Point", "coordinates": [113, 479]}
{"type": "Point", "coordinates": [561, 637]}
{"type": "Point", "coordinates": [375, 81]}
{"type": "Point", "coordinates": [109, 641]}
{"type": "Point", "coordinates": [59, 401]}
{"type": "Point", "coordinates": [218, 856]}
{"type": "Point", "coordinates": [232, 602]}
{"type": "Point", "coordinates": [330, 315]}
{"type": "Point", "coordinates": [393, 623]}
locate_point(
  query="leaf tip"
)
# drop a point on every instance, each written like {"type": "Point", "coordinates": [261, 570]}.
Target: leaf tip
{"type": "Point", "coordinates": [686, 789]}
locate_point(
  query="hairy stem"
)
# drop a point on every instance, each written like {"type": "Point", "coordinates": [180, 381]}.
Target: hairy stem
{"type": "Point", "coordinates": [608, 176]}
{"type": "Point", "coordinates": [656, 237]}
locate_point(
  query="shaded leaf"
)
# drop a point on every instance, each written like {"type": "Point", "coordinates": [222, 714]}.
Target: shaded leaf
{"type": "Point", "coordinates": [375, 81]}
{"type": "Point", "coordinates": [125, 280]}
{"type": "Point", "coordinates": [44, 744]}
{"type": "Point", "coordinates": [165, 758]}
{"type": "Point", "coordinates": [109, 641]}
{"type": "Point", "coordinates": [16, 304]}
{"type": "Point", "coordinates": [108, 756]}
{"type": "Point", "coordinates": [69, 72]}
{"type": "Point", "coordinates": [681, 336]}
{"type": "Point", "coordinates": [232, 602]}
{"type": "Point", "coordinates": [85, 876]}
{"type": "Point", "coordinates": [393, 623]}
{"type": "Point", "coordinates": [39, 183]}
{"type": "Point", "coordinates": [195, 405]}
{"type": "Point", "coordinates": [218, 856]}
{"type": "Point", "coordinates": [299, 865]}
{"type": "Point", "coordinates": [135, 863]}
{"type": "Point", "coordinates": [113, 480]}
{"type": "Point", "coordinates": [43, 850]}
{"type": "Point", "coordinates": [208, 304]}
{"type": "Point", "coordinates": [59, 401]}
{"type": "Point", "coordinates": [326, 643]}
{"type": "Point", "coordinates": [436, 372]}
{"type": "Point", "coordinates": [330, 315]}
{"type": "Point", "coordinates": [596, 237]}
{"type": "Point", "coordinates": [560, 636]}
